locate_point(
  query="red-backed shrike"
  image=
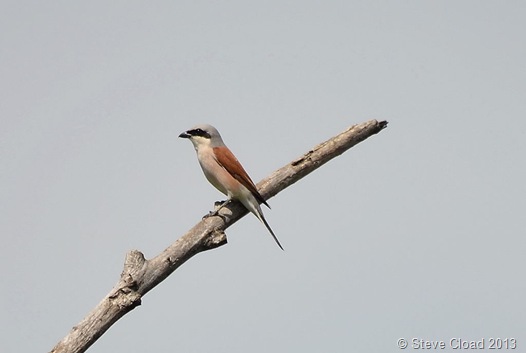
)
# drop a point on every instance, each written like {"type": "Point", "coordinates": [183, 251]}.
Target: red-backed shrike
{"type": "Point", "coordinates": [223, 170]}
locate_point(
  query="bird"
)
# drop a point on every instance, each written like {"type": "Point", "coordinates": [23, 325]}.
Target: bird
{"type": "Point", "coordinates": [224, 172]}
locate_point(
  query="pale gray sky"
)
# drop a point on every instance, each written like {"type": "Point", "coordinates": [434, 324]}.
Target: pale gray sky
{"type": "Point", "coordinates": [418, 232]}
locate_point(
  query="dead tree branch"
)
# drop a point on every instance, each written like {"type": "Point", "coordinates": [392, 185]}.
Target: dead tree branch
{"type": "Point", "coordinates": [141, 275]}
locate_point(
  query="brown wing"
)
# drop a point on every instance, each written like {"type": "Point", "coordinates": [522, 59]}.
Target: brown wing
{"type": "Point", "coordinates": [228, 161]}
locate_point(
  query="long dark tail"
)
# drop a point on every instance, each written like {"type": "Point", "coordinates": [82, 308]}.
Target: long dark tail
{"type": "Point", "coordinates": [252, 205]}
{"type": "Point", "coordinates": [262, 218]}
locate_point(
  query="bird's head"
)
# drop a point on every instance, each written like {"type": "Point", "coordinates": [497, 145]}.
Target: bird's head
{"type": "Point", "coordinates": [203, 135]}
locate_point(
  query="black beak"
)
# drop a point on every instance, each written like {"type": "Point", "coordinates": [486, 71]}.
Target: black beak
{"type": "Point", "coordinates": [184, 135]}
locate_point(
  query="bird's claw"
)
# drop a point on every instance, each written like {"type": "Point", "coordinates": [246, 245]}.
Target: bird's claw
{"type": "Point", "coordinates": [219, 204]}
{"type": "Point", "coordinates": [210, 214]}
{"type": "Point", "coordinates": [217, 207]}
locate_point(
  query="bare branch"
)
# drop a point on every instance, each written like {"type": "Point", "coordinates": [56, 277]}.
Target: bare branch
{"type": "Point", "coordinates": [140, 275]}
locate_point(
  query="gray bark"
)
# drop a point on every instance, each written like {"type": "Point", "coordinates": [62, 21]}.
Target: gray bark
{"type": "Point", "coordinates": [140, 275]}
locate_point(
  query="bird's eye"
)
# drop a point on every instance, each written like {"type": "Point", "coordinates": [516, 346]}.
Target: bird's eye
{"type": "Point", "coordinates": [199, 132]}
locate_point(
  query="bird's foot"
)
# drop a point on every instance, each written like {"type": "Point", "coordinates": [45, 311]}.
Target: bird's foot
{"type": "Point", "coordinates": [219, 204]}
{"type": "Point", "coordinates": [217, 207]}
